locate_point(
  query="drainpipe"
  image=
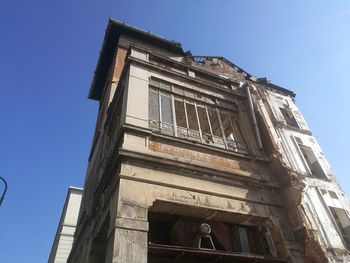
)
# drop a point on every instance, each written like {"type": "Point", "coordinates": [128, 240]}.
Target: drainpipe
{"type": "Point", "coordinates": [252, 113]}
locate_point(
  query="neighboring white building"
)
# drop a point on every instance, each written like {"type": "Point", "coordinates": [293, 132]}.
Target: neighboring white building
{"type": "Point", "coordinates": [323, 206]}
{"type": "Point", "coordinates": [63, 241]}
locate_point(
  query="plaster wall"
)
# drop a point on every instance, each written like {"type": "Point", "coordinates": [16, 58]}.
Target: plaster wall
{"type": "Point", "coordinates": [323, 219]}
{"type": "Point", "coordinates": [200, 183]}
{"type": "Point", "coordinates": [316, 197]}
{"type": "Point", "coordinates": [126, 41]}
{"type": "Point", "coordinates": [137, 197]}
{"type": "Point", "coordinates": [285, 135]}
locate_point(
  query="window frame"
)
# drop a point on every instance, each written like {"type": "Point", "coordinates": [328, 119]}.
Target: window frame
{"type": "Point", "coordinates": [339, 224]}
{"type": "Point", "coordinates": [288, 116]}
{"type": "Point", "coordinates": [200, 101]}
{"type": "Point", "coordinates": [301, 148]}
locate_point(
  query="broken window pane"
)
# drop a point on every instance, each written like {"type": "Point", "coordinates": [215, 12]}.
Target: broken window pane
{"type": "Point", "coordinates": [203, 120]}
{"type": "Point", "coordinates": [199, 97]}
{"type": "Point", "coordinates": [153, 106]}
{"type": "Point", "coordinates": [312, 162]}
{"type": "Point", "coordinates": [289, 117]}
{"type": "Point", "coordinates": [180, 113]}
{"type": "Point", "coordinates": [167, 115]}
{"type": "Point", "coordinates": [192, 117]}
{"type": "Point", "coordinates": [226, 124]}
{"type": "Point", "coordinates": [214, 122]}
{"type": "Point", "coordinates": [238, 135]}
{"type": "Point", "coordinates": [199, 122]}
{"type": "Point", "coordinates": [210, 100]}
{"type": "Point", "coordinates": [309, 159]}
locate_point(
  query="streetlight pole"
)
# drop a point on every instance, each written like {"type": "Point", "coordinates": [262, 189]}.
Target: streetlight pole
{"type": "Point", "coordinates": [5, 190]}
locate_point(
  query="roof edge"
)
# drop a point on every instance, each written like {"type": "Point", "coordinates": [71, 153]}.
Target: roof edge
{"type": "Point", "coordinates": [114, 29]}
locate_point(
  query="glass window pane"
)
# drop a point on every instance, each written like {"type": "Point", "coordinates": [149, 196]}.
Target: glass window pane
{"type": "Point", "coordinates": [312, 162]}
{"type": "Point", "coordinates": [222, 103]}
{"type": "Point", "coordinates": [214, 122]}
{"type": "Point", "coordinates": [192, 117]}
{"type": "Point", "coordinates": [289, 117]}
{"type": "Point", "coordinates": [153, 106]}
{"type": "Point", "coordinates": [165, 86]}
{"type": "Point", "coordinates": [227, 126]}
{"type": "Point", "coordinates": [238, 135]}
{"type": "Point", "coordinates": [210, 100]}
{"type": "Point", "coordinates": [226, 104]}
{"type": "Point", "coordinates": [203, 120]}
{"type": "Point", "coordinates": [154, 82]}
{"type": "Point", "coordinates": [180, 114]}
{"type": "Point", "coordinates": [178, 90]}
{"type": "Point", "coordinates": [167, 115]}
{"type": "Point", "coordinates": [243, 236]}
{"type": "Point", "coordinates": [154, 90]}
{"type": "Point", "coordinates": [189, 94]}
{"type": "Point", "coordinates": [199, 97]}
{"type": "Point", "coordinates": [235, 239]}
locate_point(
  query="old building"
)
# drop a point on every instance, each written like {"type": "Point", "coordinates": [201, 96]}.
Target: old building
{"type": "Point", "coordinates": [195, 160]}
{"type": "Point", "coordinates": [317, 208]}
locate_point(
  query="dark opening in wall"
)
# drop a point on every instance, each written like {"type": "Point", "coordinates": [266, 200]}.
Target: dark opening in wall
{"type": "Point", "coordinates": [179, 231]}
{"type": "Point", "coordinates": [289, 117]}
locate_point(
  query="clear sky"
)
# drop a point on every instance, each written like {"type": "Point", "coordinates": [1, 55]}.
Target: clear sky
{"type": "Point", "coordinates": [48, 53]}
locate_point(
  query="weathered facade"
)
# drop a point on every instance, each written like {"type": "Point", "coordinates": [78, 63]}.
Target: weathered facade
{"type": "Point", "coordinates": [195, 160]}
{"type": "Point", "coordinates": [318, 209]}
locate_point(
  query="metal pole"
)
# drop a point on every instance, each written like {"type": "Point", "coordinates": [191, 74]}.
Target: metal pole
{"type": "Point", "coordinates": [5, 190]}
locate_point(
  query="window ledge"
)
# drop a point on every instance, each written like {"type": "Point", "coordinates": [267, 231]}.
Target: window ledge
{"type": "Point", "coordinates": [150, 132]}
{"type": "Point", "coordinates": [280, 124]}
{"type": "Point", "coordinates": [205, 146]}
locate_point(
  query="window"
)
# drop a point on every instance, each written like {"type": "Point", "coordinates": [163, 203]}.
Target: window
{"type": "Point", "coordinates": [179, 112]}
{"type": "Point", "coordinates": [231, 130]}
{"type": "Point", "coordinates": [160, 111]}
{"type": "Point", "coordinates": [289, 117]}
{"type": "Point", "coordinates": [309, 159]}
{"type": "Point", "coordinates": [343, 223]}
{"type": "Point", "coordinates": [333, 195]}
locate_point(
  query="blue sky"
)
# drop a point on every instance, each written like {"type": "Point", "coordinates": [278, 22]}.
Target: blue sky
{"type": "Point", "coordinates": [48, 53]}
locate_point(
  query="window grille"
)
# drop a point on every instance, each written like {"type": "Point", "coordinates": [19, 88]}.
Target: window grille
{"type": "Point", "coordinates": [176, 111]}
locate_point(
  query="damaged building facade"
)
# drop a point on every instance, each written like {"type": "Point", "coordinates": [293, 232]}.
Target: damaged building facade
{"type": "Point", "coordinates": [195, 160]}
